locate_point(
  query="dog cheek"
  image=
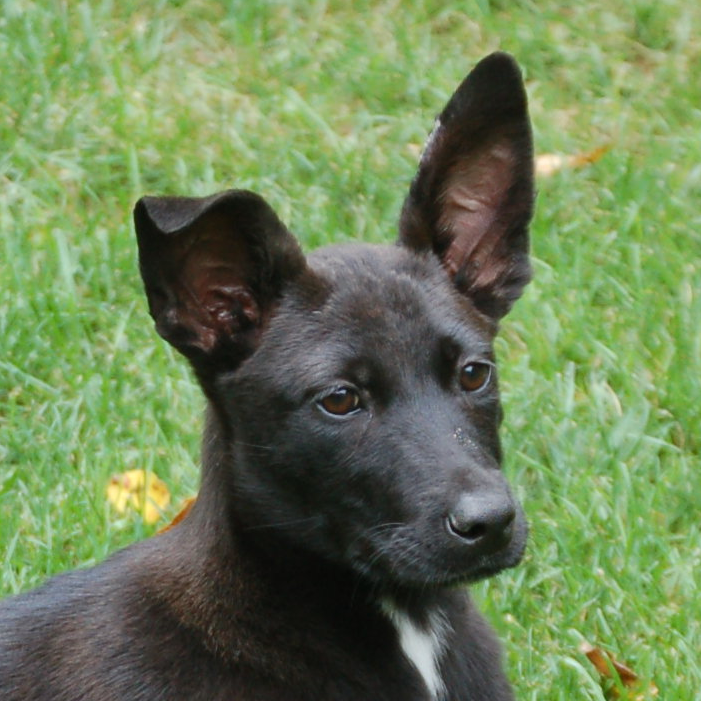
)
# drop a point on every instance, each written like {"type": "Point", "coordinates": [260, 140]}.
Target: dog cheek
{"type": "Point", "coordinates": [344, 485]}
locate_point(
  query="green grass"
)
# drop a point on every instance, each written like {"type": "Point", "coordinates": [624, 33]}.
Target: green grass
{"type": "Point", "coordinates": [320, 106]}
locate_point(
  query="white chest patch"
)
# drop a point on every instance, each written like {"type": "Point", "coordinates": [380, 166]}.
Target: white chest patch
{"type": "Point", "coordinates": [423, 647]}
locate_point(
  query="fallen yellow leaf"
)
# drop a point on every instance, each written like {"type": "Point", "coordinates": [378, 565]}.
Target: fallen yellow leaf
{"type": "Point", "coordinates": [141, 491]}
{"type": "Point", "coordinates": [549, 163]}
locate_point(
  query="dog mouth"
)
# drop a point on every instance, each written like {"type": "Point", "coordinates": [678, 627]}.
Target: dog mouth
{"type": "Point", "coordinates": [398, 555]}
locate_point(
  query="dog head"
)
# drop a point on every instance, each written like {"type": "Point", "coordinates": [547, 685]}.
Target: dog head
{"type": "Point", "coordinates": [357, 387]}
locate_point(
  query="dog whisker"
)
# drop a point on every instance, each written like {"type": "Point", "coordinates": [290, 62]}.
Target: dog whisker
{"type": "Point", "coordinates": [254, 445]}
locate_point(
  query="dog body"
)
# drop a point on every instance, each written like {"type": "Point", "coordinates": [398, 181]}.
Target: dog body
{"type": "Point", "coordinates": [350, 460]}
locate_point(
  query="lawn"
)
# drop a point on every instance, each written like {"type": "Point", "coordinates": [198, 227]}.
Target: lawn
{"type": "Point", "coordinates": [322, 107]}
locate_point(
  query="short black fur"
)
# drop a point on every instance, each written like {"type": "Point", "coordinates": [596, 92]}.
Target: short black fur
{"type": "Point", "coordinates": [351, 461]}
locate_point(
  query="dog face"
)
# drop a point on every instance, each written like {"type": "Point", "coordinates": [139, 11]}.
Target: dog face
{"type": "Point", "coordinates": [365, 425]}
{"type": "Point", "coordinates": [357, 388]}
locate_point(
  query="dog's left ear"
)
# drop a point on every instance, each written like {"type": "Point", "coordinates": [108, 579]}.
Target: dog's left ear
{"type": "Point", "coordinates": [472, 198]}
{"type": "Point", "coordinates": [213, 269]}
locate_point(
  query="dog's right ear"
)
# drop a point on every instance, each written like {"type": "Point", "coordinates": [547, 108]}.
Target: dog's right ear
{"type": "Point", "coordinates": [213, 268]}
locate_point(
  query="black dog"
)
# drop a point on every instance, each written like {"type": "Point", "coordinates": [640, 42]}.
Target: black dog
{"type": "Point", "coordinates": [351, 471]}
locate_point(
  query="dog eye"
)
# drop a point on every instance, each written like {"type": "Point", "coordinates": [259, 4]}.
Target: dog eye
{"type": "Point", "coordinates": [475, 376]}
{"type": "Point", "coordinates": [341, 401]}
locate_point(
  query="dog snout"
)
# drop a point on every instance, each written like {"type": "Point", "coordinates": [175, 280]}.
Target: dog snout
{"type": "Point", "coordinates": [483, 521]}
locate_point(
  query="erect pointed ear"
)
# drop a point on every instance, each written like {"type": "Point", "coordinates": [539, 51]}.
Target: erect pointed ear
{"type": "Point", "coordinates": [472, 198]}
{"type": "Point", "coordinates": [213, 268]}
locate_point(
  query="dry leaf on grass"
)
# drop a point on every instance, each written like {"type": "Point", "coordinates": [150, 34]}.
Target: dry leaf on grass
{"type": "Point", "coordinates": [140, 491]}
{"type": "Point", "coordinates": [608, 667]}
{"type": "Point", "coordinates": [549, 163]}
{"type": "Point", "coordinates": [184, 511]}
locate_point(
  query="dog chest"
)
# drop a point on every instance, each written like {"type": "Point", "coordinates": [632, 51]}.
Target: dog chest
{"type": "Point", "coordinates": [422, 645]}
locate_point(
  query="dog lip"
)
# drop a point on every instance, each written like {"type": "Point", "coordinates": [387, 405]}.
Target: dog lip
{"type": "Point", "coordinates": [491, 565]}
{"type": "Point", "coordinates": [389, 570]}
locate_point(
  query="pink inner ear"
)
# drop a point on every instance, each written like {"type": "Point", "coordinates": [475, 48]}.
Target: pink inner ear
{"type": "Point", "coordinates": [474, 194]}
{"type": "Point", "coordinates": [212, 300]}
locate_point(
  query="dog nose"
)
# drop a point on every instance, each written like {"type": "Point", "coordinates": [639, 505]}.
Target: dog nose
{"type": "Point", "coordinates": [483, 519]}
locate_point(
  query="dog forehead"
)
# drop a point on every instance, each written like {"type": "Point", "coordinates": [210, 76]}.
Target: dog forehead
{"type": "Point", "coordinates": [388, 296]}
{"type": "Point", "coordinates": [378, 282]}
{"type": "Point", "coordinates": [371, 282]}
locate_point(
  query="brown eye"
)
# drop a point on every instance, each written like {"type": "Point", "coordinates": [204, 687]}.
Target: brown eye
{"type": "Point", "coordinates": [341, 401]}
{"type": "Point", "coordinates": [475, 376]}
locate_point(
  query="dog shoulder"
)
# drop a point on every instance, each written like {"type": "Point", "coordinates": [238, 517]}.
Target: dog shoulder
{"type": "Point", "coordinates": [91, 633]}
